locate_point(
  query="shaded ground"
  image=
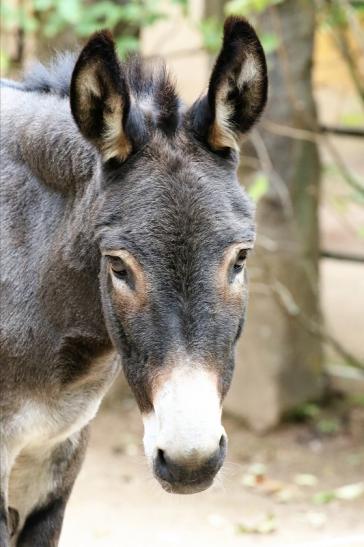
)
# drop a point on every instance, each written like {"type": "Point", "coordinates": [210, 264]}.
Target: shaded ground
{"type": "Point", "coordinates": [116, 502]}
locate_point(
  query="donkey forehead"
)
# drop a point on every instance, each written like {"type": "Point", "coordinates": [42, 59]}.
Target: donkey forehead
{"type": "Point", "coordinates": [175, 196]}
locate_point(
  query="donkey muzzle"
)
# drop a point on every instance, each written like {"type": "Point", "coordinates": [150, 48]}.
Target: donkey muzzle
{"type": "Point", "coordinates": [184, 440]}
{"type": "Point", "coordinates": [188, 476]}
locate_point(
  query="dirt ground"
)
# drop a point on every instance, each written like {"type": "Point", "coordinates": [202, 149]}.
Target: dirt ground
{"type": "Point", "coordinates": [117, 502]}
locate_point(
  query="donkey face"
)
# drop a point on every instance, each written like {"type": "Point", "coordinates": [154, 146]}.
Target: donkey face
{"type": "Point", "coordinates": [174, 228]}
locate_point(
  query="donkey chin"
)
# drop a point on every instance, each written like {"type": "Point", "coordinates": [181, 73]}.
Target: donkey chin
{"type": "Point", "coordinates": [184, 441]}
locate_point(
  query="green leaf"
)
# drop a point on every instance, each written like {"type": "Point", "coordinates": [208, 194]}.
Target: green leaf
{"type": "Point", "coordinates": [270, 42]}
{"type": "Point", "coordinates": [305, 479]}
{"type": "Point", "coordinates": [306, 411]}
{"type": "Point", "coordinates": [43, 5]}
{"type": "Point", "coordinates": [346, 493]}
{"type": "Point", "coordinates": [70, 11]}
{"type": "Point", "coordinates": [4, 62]}
{"type": "Point", "coordinates": [28, 22]}
{"type": "Point", "coordinates": [357, 399]}
{"type": "Point", "coordinates": [328, 426]}
{"type": "Point", "coordinates": [183, 4]}
{"type": "Point", "coordinates": [211, 32]}
{"type": "Point", "coordinates": [324, 497]}
{"type": "Point", "coordinates": [353, 119]}
{"type": "Point", "coordinates": [133, 12]}
{"type": "Point", "coordinates": [350, 491]}
{"type": "Point", "coordinates": [9, 16]}
{"type": "Point", "coordinates": [54, 25]}
{"type": "Point", "coordinates": [259, 187]}
{"type": "Point", "coordinates": [267, 525]}
{"type": "Point", "coordinates": [360, 232]}
{"type": "Point", "coordinates": [126, 44]}
{"type": "Point", "coordinates": [248, 7]}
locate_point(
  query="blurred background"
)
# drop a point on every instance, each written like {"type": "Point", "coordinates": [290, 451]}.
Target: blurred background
{"type": "Point", "coordinates": [295, 412]}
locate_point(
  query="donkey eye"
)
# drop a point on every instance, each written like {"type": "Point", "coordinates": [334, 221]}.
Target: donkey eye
{"type": "Point", "coordinates": [118, 268]}
{"type": "Point", "coordinates": [240, 261]}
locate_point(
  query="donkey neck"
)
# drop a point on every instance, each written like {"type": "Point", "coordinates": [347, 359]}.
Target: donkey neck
{"type": "Point", "coordinates": [39, 133]}
{"type": "Point", "coordinates": [42, 133]}
{"type": "Point", "coordinates": [43, 147]}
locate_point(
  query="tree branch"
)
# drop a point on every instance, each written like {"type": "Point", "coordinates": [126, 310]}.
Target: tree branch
{"type": "Point", "coordinates": [343, 131]}
{"type": "Point", "coordinates": [285, 298]}
{"type": "Point", "coordinates": [307, 134]}
{"type": "Point", "coordinates": [342, 256]}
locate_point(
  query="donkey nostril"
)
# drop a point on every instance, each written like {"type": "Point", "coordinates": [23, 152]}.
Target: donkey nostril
{"type": "Point", "coordinates": [222, 449]}
{"type": "Point", "coordinates": [161, 457]}
{"type": "Point", "coordinates": [162, 466]}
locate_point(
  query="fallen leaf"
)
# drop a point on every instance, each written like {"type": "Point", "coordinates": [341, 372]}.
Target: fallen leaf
{"type": "Point", "coordinates": [316, 519]}
{"type": "Point", "coordinates": [255, 475]}
{"type": "Point", "coordinates": [350, 491]}
{"type": "Point", "coordinates": [288, 494]}
{"type": "Point", "coordinates": [305, 479]}
{"type": "Point", "coordinates": [249, 481]}
{"type": "Point", "coordinates": [271, 486]}
{"type": "Point", "coordinates": [259, 470]}
{"type": "Point", "coordinates": [267, 525]}
{"type": "Point", "coordinates": [347, 492]}
{"type": "Point", "coordinates": [321, 498]}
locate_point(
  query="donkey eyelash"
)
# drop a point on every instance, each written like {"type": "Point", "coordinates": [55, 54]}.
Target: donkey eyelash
{"type": "Point", "coordinates": [243, 254]}
{"type": "Point", "coordinates": [118, 268]}
{"type": "Point", "coordinates": [240, 260]}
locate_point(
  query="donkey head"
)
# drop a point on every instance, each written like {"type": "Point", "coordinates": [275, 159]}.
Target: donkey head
{"type": "Point", "coordinates": [174, 229]}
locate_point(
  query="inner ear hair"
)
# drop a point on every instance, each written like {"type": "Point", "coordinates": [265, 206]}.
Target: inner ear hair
{"type": "Point", "coordinates": [237, 91]}
{"type": "Point", "coordinates": [100, 99]}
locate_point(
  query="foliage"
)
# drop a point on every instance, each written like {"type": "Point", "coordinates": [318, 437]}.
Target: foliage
{"type": "Point", "coordinates": [211, 33]}
{"type": "Point", "coordinates": [211, 28]}
{"type": "Point", "coordinates": [248, 7]}
{"type": "Point", "coordinates": [341, 19]}
{"type": "Point", "coordinates": [267, 525]}
{"type": "Point", "coordinates": [51, 18]}
{"type": "Point", "coordinates": [348, 492]}
{"type": "Point", "coordinates": [259, 186]}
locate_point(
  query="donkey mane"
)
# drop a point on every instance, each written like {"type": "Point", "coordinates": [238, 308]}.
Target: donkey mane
{"type": "Point", "coordinates": [54, 78]}
{"type": "Point", "coordinates": [149, 83]}
{"type": "Point", "coordinates": [54, 153]}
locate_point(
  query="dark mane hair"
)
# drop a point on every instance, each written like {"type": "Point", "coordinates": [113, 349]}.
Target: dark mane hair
{"type": "Point", "coordinates": [53, 78]}
{"type": "Point", "coordinates": [149, 83]}
{"type": "Point", "coordinates": [144, 78]}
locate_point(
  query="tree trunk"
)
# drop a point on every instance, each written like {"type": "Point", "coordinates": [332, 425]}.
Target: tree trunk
{"type": "Point", "coordinates": [279, 357]}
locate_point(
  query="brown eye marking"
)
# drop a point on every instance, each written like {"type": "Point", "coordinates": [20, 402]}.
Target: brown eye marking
{"type": "Point", "coordinates": [129, 282]}
{"type": "Point", "coordinates": [230, 282]}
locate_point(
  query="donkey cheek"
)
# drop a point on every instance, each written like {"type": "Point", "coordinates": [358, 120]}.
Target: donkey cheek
{"type": "Point", "coordinates": [127, 302]}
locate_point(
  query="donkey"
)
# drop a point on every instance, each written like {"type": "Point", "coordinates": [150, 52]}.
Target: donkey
{"type": "Point", "coordinates": [123, 229]}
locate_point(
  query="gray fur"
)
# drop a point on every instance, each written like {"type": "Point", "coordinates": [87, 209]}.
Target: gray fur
{"type": "Point", "coordinates": [174, 204]}
{"type": "Point", "coordinates": [54, 78]}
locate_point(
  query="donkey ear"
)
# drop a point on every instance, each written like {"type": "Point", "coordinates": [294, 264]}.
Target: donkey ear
{"type": "Point", "coordinates": [237, 90]}
{"type": "Point", "coordinates": [100, 100]}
